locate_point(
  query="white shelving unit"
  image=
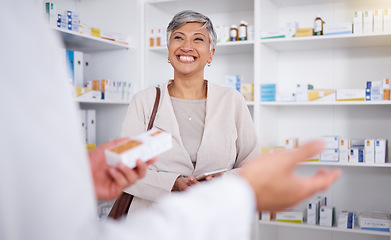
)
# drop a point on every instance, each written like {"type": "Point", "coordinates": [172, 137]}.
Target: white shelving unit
{"type": "Point", "coordinates": [109, 59]}
{"type": "Point", "coordinates": [327, 62]}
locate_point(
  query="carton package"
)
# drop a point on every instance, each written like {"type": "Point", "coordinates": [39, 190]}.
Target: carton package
{"type": "Point", "coordinates": [247, 90]}
{"type": "Point", "coordinates": [356, 155]}
{"type": "Point", "coordinates": [368, 22]}
{"type": "Point", "coordinates": [381, 150]}
{"type": "Point", "coordinates": [291, 143]}
{"type": "Point", "coordinates": [387, 20]}
{"type": "Point", "coordinates": [343, 146]}
{"type": "Point", "coordinates": [350, 95]}
{"type": "Point", "coordinates": [304, 32]}
{"type": "Point", "coordinates": [358, 22]}
{"type": "Point", "coordinates": [273, 33]}
{"type": "Point", "coordinates": [321, 95]}
{"type": "Point", "coordinates": [369, 151]}
{"type": "Point", "coordinates": [326, 216]}
{"type": "Point", "coordinates": [337, 28]}
{"type": "Point", "coordinates": [144, 147]}
{"type": "Point", "coordinates": [291, 216]}
{"type": "Point", "coordinates": [346, 219]}
{"type": "Point", "coordinates": [377, 221]}
{"type": "Point", "coordinates": [378, 20]}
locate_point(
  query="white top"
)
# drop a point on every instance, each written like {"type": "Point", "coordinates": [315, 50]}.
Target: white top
{"type": "Point", "coordinates": [45, 181]}
{"type": "Point", "coordinates": [190, 115]}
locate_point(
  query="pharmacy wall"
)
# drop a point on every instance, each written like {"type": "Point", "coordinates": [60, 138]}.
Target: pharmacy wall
{"type": "Point", "coordinates": [271, 59]}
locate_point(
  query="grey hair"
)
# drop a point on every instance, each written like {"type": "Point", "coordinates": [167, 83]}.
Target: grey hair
{"type": "Point", "coordinates": [188, 16]}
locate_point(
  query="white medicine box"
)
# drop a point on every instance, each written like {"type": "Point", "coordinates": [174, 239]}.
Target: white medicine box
{"type": "Point", "coordinates": [368, 21]}
{"type": "Point", "coordinates": [378, 20]}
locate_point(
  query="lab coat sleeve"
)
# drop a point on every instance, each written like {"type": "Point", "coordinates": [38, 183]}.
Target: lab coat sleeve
{"type": "Point", "coordinates": [221, 209]}
{"type": "Point", "coordinates": [156, 183]}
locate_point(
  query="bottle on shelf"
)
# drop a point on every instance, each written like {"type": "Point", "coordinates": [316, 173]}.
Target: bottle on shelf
{"type": "Point", "coordinates": [243, 31]}
{"type": "Point", "coordinates": [318, 26]}
{"type": "Point", "coordinates": [234, 33]}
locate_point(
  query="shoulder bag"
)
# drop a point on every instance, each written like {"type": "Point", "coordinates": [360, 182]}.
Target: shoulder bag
{"type": "Point", "coordinates": [122, 203]}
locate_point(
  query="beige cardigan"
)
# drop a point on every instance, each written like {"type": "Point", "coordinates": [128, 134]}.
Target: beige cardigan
{"type": "Point", "coordinates": [229, 139]}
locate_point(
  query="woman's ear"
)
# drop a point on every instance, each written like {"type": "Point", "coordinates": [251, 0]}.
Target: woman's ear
{"type": "Point", "coordinates": [211, 53]}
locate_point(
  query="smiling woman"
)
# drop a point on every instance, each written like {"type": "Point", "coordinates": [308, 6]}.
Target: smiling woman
{"type": "Point", "coordinates": [210, 125]}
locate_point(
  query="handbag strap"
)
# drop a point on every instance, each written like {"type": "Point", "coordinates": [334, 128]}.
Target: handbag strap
{"type": "Point", "coordinates": [122, 204]}
{"type": "Point", "coordinates": [155, 106]}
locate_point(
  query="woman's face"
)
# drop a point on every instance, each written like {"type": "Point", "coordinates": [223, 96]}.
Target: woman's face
{"type": "Point", "coordinates": [188, 50]}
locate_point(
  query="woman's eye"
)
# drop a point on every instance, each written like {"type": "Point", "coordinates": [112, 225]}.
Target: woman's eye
{"type": "Point", "coordinates": [178, 37]}
{"type": "Point", "coordinates": [199, 39]}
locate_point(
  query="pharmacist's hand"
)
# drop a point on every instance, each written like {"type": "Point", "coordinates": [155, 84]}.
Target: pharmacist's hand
{"type": "Point", "coordinates": [274, 181]}
{"type": "Point", "coordinates": [109, 182]}
{"type": "Point", "coordinates": [182, 183]}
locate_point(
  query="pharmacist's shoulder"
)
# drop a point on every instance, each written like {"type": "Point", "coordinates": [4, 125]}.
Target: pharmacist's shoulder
{"type": "Point", "coordinates": [225, 93]}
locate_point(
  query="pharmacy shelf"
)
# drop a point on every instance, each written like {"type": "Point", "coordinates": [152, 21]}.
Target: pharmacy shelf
{"type": "Point", "coordinates": [87, 43]}
{"type": "Point", "coordinates": [204, 6]}
{"type": "Point", "coordinates": [100, 101]}
{"type": "Point", "coordinates": [336, 103]}
{"type": "Point", "coordinates": [221, 48]}
{"type": "Point", "coordinates": [339, 164]}
{"type": "Point", "coordinates": [290, 3]}
{"type": "Point", "coordinates": [329, 42]}
{"type": "Point", "coordinates": [324, 228]}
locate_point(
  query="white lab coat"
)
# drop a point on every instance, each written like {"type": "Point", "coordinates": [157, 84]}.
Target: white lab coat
{"type": "Point", "coordinates": [46, 190]}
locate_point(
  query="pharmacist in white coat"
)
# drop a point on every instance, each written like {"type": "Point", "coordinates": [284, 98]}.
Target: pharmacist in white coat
{"type": "Point", "coordinates": [47, 189]}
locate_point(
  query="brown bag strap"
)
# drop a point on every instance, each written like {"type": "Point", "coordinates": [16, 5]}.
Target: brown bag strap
{"type": "Point", "coordinates": [122, 203]}
{"type": "Point", "coordinates": [154, 111]}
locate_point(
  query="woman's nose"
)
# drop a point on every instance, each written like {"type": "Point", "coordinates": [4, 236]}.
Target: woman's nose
{"type": "Point", "coordinates": [187, 46]}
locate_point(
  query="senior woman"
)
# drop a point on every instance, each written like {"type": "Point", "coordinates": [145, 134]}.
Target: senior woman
{"type": "Point", "coordinates": [211, 125]}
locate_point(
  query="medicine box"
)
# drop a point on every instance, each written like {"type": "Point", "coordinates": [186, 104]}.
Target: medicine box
{"type": "Point", "coordinates": [381, 153]}
{"type": "Point", "coordinates": [369, 151]}
{"type": "Point", "coordinates": [247, 90]}
{"type": "Point", "coordinates": [378, 221]}
{"type": "Point", "coordinates": [350, 95]}
{"type": "Point", "coordinates": [291, 143]}
{"type": "Point", "coordinates": [387, 20]}
{"type": "Point", "coordinates": [326, 216]}
{"type": "Point", "coordinates": [285, 97]}
{"type": "Point", "coordinates": [329, 155]}
{"type": "Point", "coordinates": [378, 20]}
{"type": "Point", "coordinates": [346, 219]}
{"type": "Point", "coordinates": [291, 29]}
{"type": "Point", "coordinates": [144, 147]}
{"type": "Point", "coordinates": [358, 22]}
{"type": "Point", "coordinates": [273, 33]}
{"type": "Point", "coordinates": [343, 146]}
{"type": "Point", "coordinates": [337, 28]}
{"type": "Point", "coordinates": [321, 95]}
{"type": "Point", "coordinates": [233, 81]}
{"type": "Point", "coordinates": [331, 142]}
{"type": "Point", "coordinates": [304, 32]}
{"type": "Point", "coordinates": [357, 143]}
{"type": "Point", "coordinates": [266, 216]}
{"type": "Point", "coordinates": [356, 155]}
{"type": "Point", "coordinates": [293, 216]}
{"type": "Point", "coordinates": [368, 21]}
{"type": "Point", "coordinates": [313, 212]}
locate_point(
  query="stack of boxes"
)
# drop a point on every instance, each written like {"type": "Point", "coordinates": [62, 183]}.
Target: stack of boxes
{"type": "Point", "coordinates": [268, 92]}
{"type": "Point", "coordinates": [376, 21]}
{"type": "Point", "coordinates": [330, 152]}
